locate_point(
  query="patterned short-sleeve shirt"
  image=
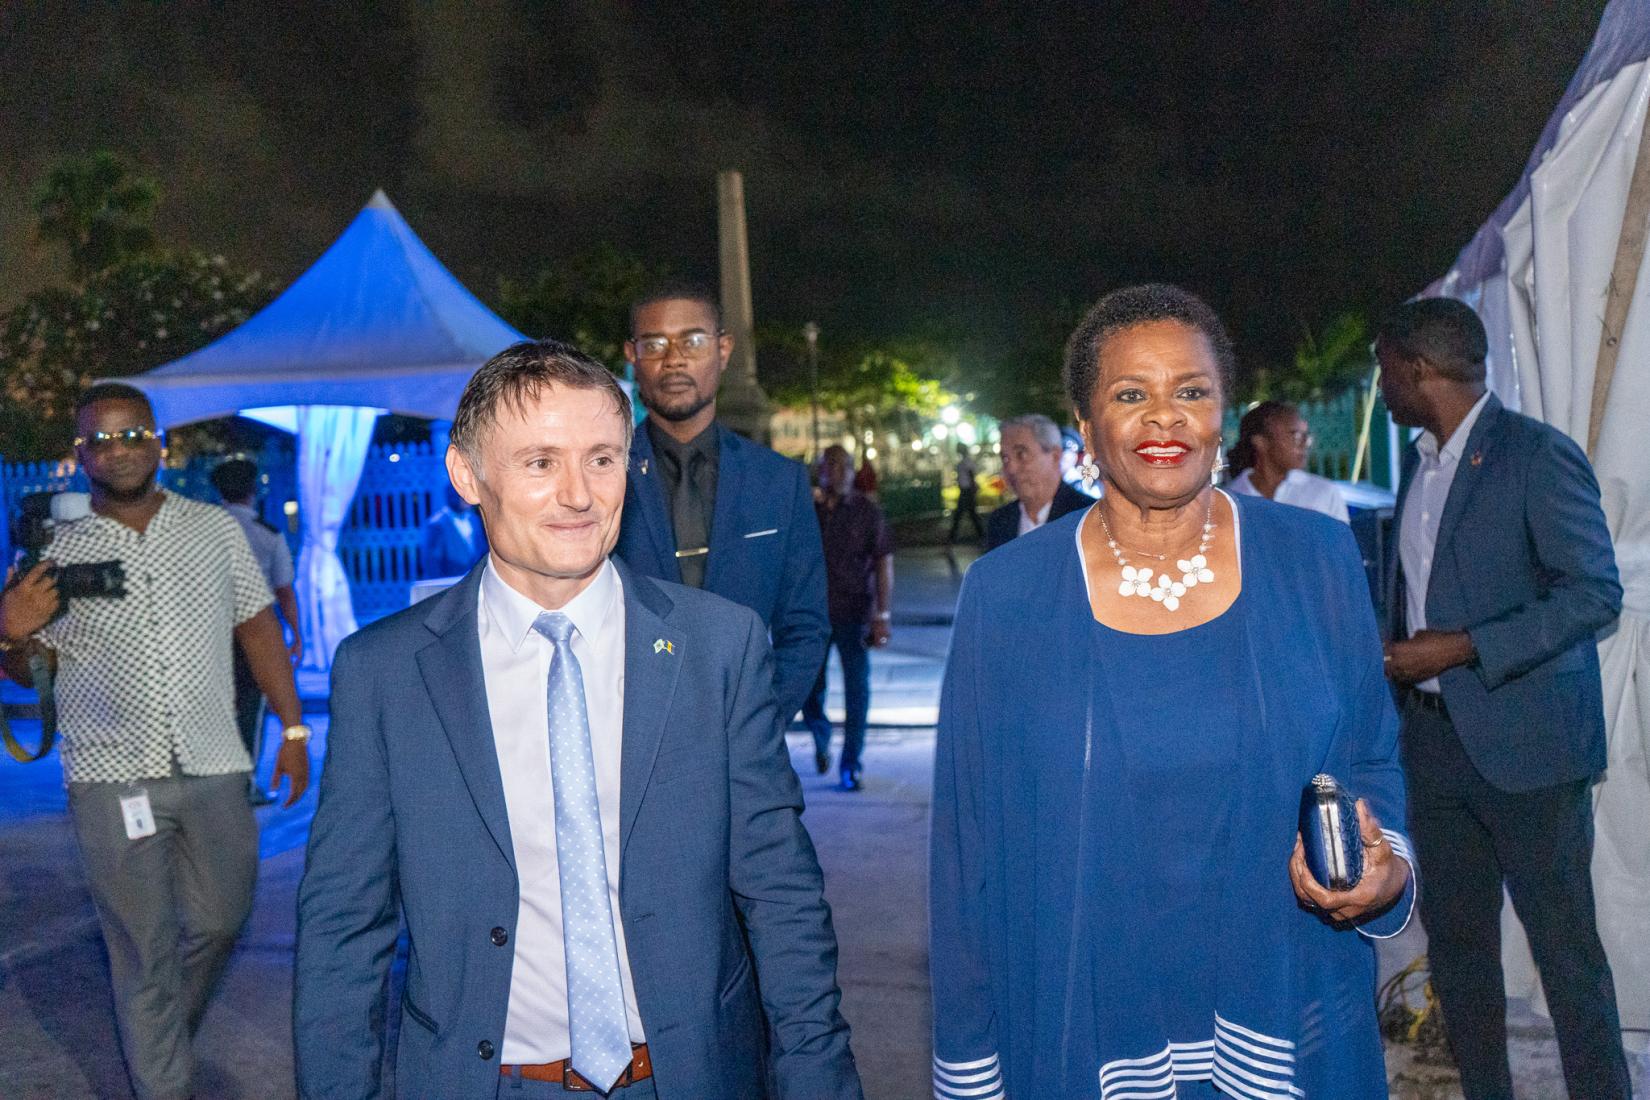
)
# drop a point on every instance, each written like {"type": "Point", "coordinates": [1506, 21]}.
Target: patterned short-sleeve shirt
{"type": "Point", "coordinates": [147, 677]}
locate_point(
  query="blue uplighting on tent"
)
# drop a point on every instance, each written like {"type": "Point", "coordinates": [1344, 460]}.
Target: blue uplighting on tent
{"type": "Point", "coordinates": [377, 322]}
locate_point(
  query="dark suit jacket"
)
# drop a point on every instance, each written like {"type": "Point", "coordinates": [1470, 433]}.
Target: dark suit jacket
{"type": "Point", "coordinates": [714, 856]}
{"type": "Point", "coordinates": [1524, 564]}
{"type": "Point", "coordinates": [765, 550]}
{"type": "Point", "coordinates": [1003, 524]}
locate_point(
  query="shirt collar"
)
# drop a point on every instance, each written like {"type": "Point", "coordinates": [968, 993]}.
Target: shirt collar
{"type": "Point", "coordinates": [592, 610]}
{"type": "Point", "coordinates": [706, 443]}
{"type": "Point", "coordinates": [1040, 516]}
{"type": "Point", "coordinates": [159, 521]}
{"type": "Point", "coordinates": [1427, 444]}
{"type": "Point", "coordinates": [239, 509]}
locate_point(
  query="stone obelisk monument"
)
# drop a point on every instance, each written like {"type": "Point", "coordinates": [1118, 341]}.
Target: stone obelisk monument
{"type": "Point", "coordinates": [741, 404]}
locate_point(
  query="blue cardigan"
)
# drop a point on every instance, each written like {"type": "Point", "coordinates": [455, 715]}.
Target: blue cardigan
{"type": "Point", "coordinates": [1009, 894]}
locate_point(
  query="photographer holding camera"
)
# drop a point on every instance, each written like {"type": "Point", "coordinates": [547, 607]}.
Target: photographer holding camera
{"type": "Point", "coordinates": [155, 769]}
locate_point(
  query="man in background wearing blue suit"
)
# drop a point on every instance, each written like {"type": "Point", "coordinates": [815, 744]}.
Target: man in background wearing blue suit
{"type": "Point", "coordinates": [709, 508]}
{"type": "Point", "coordinates": [572, 780]}
{"type": "Point", "coordinates": [1504, 575]}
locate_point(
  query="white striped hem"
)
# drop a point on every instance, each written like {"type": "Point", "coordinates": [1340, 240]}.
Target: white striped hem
{"type": "Point", "coordinates": [1401, 849]}
{"type": "Point", "coordinates": [981, 1079]}
{"type": "Point", "coordinates": [1246, 1063]}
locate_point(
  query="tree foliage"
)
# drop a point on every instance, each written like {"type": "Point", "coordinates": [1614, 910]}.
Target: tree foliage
{"type": "Point", "coordinates": [133, 307]}
{"type": "Point", "coordinates": [585, 301]}
{"type": "Point", "coordinates": [98, 209]}
{"type": "Point", "coordinates": [1327, 361]}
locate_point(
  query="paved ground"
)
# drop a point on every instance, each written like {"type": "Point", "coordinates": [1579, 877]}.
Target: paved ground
{"type": "Point", "coordinates": [57, 1036]}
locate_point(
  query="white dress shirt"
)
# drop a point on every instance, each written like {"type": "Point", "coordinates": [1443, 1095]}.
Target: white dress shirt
{"type": "Point", "coordinates": [1423, 511]}
{"type": "Point", "coordinates": [515, 661]}
{"type": "Point", "coordinates": [1029, 522]}
{"type": "Point", "coordinates": [1301, 489]}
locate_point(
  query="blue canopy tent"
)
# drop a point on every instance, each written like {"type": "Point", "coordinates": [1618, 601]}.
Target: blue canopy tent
{"type": "Point", "coordinates": [377, 324]}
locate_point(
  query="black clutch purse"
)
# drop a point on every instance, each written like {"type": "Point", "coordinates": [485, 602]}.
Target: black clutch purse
{"type": "Point", "coordinates": [1329, 832]}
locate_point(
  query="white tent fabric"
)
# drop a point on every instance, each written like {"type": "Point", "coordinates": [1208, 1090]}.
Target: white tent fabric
{"type": "Point", "coordinates": [332, 449]}
{"type": "Point", "coordinates": [377, 323]}
{"type": "Point", "coordinates": [1538, 272]}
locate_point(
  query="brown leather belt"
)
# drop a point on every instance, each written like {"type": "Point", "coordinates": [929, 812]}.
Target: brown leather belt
{"type": "Point", "coordinates": [562, 1073]}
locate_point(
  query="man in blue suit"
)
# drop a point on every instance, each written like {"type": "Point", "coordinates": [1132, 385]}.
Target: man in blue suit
{"type": "Point", "coordinates": [709, 508]}
{"type": "Point", "coordinates": [1504, 575]}
{"type": "Point", "coordinates": [572, 781]}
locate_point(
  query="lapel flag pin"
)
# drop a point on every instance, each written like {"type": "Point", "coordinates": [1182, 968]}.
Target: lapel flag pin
{"type": "Point", "coordinates": [662, 646]}
{"type": "Point", "coordinates": [1477, 459]}
{"type": "Point", "coordinates": [644, 467]}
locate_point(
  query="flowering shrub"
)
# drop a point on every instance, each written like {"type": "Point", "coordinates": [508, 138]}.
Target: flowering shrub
{"type": "Point", "coordinates": [136, 315]}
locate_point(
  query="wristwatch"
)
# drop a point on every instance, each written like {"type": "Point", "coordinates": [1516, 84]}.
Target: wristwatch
{"type": "Point", "coordinates": [299, 733]}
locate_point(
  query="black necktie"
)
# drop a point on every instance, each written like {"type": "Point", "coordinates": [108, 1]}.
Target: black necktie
{"type": "Point", "coordinates": [687, 517]}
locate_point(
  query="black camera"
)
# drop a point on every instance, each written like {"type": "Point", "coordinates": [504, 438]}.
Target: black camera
{"type": "Point", "coordinates": [37, 515]}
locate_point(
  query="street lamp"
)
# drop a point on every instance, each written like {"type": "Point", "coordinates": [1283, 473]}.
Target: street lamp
{"type": "Point", "coordinates": [810, 333]}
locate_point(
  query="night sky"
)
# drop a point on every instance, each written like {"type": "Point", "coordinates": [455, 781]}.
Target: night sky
{"type": "Point", "coordinates": [973, 170]}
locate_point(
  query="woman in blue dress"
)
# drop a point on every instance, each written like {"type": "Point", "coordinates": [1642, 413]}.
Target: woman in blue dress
{"type": "Point", "coordinates": [1136, 696]}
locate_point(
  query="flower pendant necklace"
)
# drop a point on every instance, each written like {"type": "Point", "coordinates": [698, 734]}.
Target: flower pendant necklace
{"type": "Point", "coordinates": [1164, 589]}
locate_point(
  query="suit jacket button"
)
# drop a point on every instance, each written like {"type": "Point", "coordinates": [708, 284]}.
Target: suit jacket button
{"type": "Point", "coordinates": [485, 1049]}
{"type": "Point", "coordinates": [500, 937]}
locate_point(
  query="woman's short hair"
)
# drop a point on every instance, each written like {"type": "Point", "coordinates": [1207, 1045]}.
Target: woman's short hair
{"type": "Point", "coordinates": [1139, 305]}
{"type": "Point", "coordinates": [516, 376]}
{"type": "Point", "coordinates": [1257, 421]}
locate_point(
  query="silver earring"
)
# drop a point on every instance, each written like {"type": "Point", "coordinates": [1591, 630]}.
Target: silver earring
{"type": "Point", "coordinates": [1089, 472]}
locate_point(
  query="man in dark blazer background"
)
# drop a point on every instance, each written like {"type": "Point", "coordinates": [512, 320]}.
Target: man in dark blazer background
{"type": "Point", "coordinates": [572, 782]}
{"type": "Point", "coordinates": [710, 509]}
{"type": "Point", "coordinates": [1032, 448]}
{"type": "Point", "coordinates": [1504, 574]}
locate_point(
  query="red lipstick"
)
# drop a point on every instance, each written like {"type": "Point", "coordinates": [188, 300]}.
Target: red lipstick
{"type": "Point", "coordinates": [1163, 452]}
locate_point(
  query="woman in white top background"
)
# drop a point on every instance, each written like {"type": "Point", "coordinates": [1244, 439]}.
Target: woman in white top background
{"type": "Point", "coordinates": [1269, 461]}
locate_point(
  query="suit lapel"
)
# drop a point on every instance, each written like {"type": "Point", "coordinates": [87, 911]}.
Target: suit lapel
{"type": "Point", "coordinates": [1468, 473]}
{"type": "Point", "coordinates": [451, 667]}
{"type": "Point", "coordinates": [652, 660]}
{"type": "Point", "coordinates": [647, 493]}
{"type": "Point", "coordinates": [725, 528]}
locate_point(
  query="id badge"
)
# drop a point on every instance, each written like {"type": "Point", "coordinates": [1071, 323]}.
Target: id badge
{"type": "Point", "coordinates": [140, 819]}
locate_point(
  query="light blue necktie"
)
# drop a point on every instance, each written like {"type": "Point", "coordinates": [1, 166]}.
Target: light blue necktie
{"type": "Point", "coordinates": [595, 995]}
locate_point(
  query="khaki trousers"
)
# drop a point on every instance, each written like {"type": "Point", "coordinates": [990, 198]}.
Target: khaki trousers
{"type": "Point", "coordinates": [171, 906]}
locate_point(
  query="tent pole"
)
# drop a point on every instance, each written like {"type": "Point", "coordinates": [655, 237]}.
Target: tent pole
{"type": "Point", "coordinates": [1369, 415]}
{"type": "Point", "coordinates": [1624, 277]}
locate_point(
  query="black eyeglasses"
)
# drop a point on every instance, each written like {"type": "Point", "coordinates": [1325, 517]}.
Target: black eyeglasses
{"type": "Point", "coordinates": [127, 437]}
{"type": "Point", "coordinates": [693, 345]}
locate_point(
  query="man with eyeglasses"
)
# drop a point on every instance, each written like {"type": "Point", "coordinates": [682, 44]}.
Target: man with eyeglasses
{"type": "Point", "coordinates": [709, 508]}
{"type": "Point", "coordinates": [154, 764]}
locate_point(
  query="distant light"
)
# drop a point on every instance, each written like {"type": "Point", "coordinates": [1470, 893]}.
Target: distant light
{"type": "Point", "coordinates": [916, 444]}
{"type": "Point", "coordinates": [290, 508]}
{"type": "Point", "coordinates": [870, 452]}
{"type": "Point", "coordinates": [395, 456]}
{"type": "Point", "coordinates": [941, 431]}
{"type": "Point", "coordinates": [950, 414]}
{"type": "Point", "coordinates": [967, 434]}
